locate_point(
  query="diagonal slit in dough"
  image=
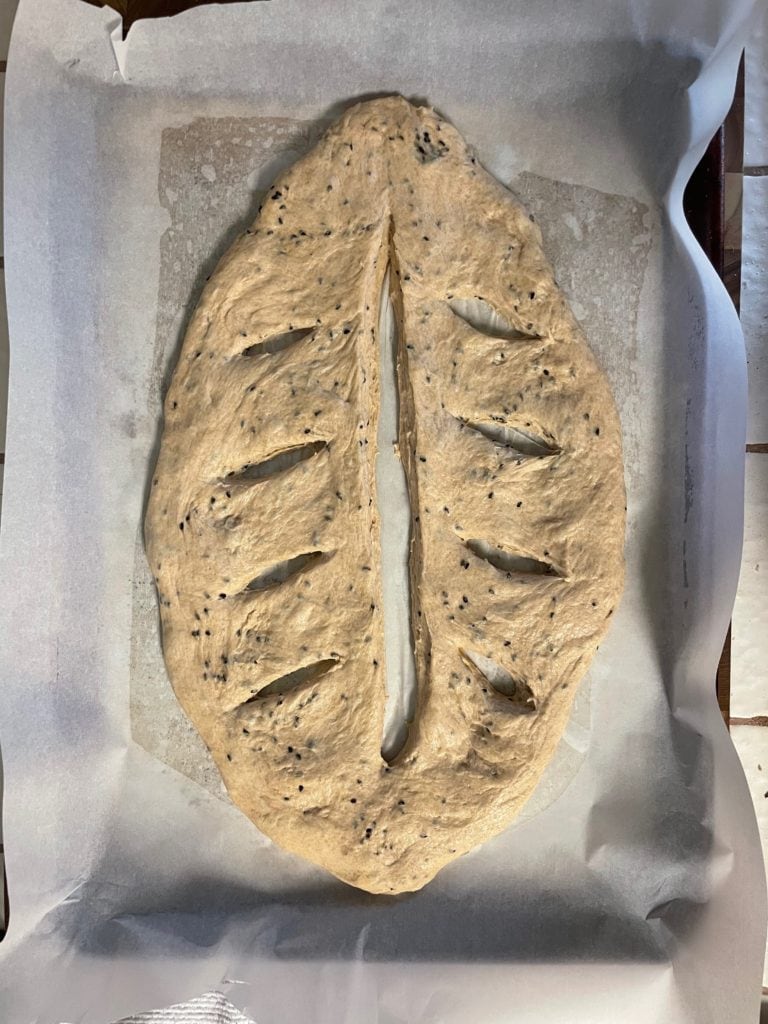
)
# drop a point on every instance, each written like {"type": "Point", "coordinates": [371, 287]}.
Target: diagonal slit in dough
{"type": "Point", "coordinates": [279, 463]}
{"type": "Point", "coordinates": [277, 342]}
{"type": "Point", "coordinates": [521, 697]}
{"type": "Point", "coordinates": [512, 564]}
{"type": "Point", "coordinates": [292, 680]}
{"type": "Point", "coordinates": [521, 441]}
{"type": "Point", "coordinates": [282, 571]}
{"type": "Point", "coordinates": [484, 319]}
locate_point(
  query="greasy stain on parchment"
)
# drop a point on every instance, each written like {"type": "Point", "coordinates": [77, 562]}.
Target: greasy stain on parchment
{"type": "Point", "coordinates": [213, 174]}
{"type": "Point", "coordinates": [599, 245]}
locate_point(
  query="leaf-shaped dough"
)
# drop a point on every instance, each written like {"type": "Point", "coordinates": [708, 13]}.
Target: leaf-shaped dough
{"type": "Point", "coordinates": [263, 530]}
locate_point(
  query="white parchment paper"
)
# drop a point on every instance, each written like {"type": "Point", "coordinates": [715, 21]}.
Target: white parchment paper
{"type": "Point", "coordinates": [632, 888]}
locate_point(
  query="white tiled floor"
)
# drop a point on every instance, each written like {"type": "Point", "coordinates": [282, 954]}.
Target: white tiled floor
{"type": "Point", "coordinates": [750, 742]}
{"type": "Point", "coordinates": [754, 302]}
{"type": "Point", "coordinates": [749, 657]}
{"type": "Point", "coordinates": [749, 649]}
{"type": "Point", "coordinates": [7, 11]}
{"type": "Point", "coordinates": [756, 94]}
{"type": "Point", "coordinates": [3, 361]}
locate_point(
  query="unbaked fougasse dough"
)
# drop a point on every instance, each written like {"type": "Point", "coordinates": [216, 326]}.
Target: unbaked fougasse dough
{"type": "Point", "coordinates": [263, 529]}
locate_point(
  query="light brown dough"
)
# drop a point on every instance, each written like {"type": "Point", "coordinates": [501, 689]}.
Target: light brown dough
{"type": "Point", "coordinates": [282, 354]}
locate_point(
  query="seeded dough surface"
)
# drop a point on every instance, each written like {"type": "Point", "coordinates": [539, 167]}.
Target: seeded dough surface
{"type": "Point", "coordinates": [262, 529]}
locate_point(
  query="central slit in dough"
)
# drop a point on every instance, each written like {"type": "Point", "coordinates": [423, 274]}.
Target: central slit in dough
{"type": "Point", "coordinates": [394, 508]}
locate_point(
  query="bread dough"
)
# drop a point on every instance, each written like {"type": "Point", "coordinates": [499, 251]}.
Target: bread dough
{"type": "Point", "coordinates": [262, 529]}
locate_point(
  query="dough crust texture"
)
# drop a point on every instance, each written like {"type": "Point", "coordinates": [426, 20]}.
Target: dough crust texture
{"type": "Point", "coordinates": [262, 527]}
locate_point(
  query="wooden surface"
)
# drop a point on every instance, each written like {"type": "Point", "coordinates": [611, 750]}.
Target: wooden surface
{"type": "Point", "coordinates": [714, 186]}
{"type": "Point", "coordinates": [134, 10]}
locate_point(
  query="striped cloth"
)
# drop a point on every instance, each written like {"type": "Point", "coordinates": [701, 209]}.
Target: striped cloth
{"type": "Point", "coordinates": [211, 1008]}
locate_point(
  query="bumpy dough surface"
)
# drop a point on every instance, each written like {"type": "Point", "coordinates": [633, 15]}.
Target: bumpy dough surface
{"type": "Point", "coordinates": [264, 571]}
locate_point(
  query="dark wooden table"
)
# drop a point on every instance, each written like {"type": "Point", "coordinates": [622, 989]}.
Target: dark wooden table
{"type": "Point", "coordinates": [715, 185]}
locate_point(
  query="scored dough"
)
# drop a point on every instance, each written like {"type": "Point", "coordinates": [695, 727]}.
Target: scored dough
{"type": "Point", "coordinates": [262, 531]}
